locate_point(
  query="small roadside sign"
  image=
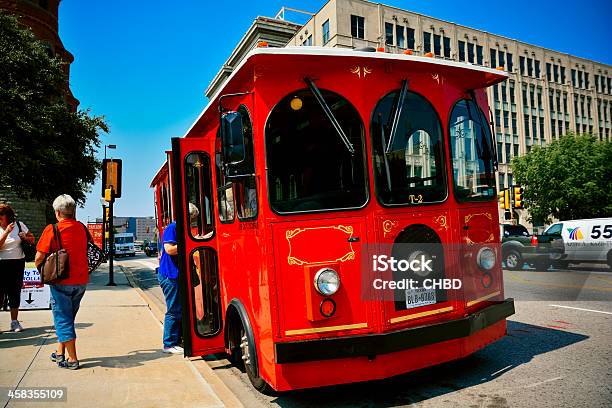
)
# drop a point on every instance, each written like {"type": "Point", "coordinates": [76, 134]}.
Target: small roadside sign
{"type": "Point", "coordinates": [34, 294]}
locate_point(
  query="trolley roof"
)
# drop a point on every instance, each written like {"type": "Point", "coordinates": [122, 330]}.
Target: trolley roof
{"type": "Point", "coordinates": [476, 76]}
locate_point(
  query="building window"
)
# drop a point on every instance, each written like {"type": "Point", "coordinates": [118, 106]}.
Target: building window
{"type": "Point", "coordinates": [525, 98]}
{"type": "Point", "coordinates": [516, 150]}
{"type": "Point", "coordinates": [553, 127]}
{"type": "Point", "coordinates": [509, 62]}
{"type": "Point", "coordinates": [426, 42]}
{"type": "Point", "coordinates": [540, 106]}
{"type": "Point", "coordinates": [512, 99]}
{"type": "Point", "coordinates": [357, 26]}
{"type": "Point", "coordinates": [609, 85]}
{"type": "Point", "coordinates": [548, 71]}
{"type": "Point", "coordinates": [470, 52]}
{"type": "Point", "coordinates": [526, 125]}
{"type": "Point", "coordinates": [399, 36]}
{"type": "Point", "coordinates": [493, 60]}
{"type": "Point", "coordinates": [529, 67]}
{"type": "Point", "coordinates": [586, 80]}
{"type": "Point", "coordinates": [532, 95]}
{"type": "Point", "coordinates": [388, 33]}
{"type": "Point", "coordinates": [580, 83]}
{"type": "Point", "coordinates": [506, 120]}
{"type": "Point", "coordinates": [537, 69]}
{"type": "Point", "coordinates": [514, 128]}
{"type": "Point", "coordinates": [500, 159]}
{"type": "Point", "coordinates": [522, 65]}
{"type": "Point", "coordinates": [325, 29]}
{"type": "Point", "coordinates": [461, 46]}
{"type": "Point", "coordinates": [597, 83]}
{"type": "Point", "coordinates": [410, 37]}
{"type": "Point", "coordinates": [502, 60]}
{"type": "Point", "coordinates": [542, 128]}
{"type": "Point", "coordinates": [503, 92]}
{"type": "Point", "coordinates": [447, 46]}
{"type": "Point", "coordinates": [437, 45]}
{"type": "Point", "coordinates": [308, 41]}
{"type": "Point", "coordinates": [574, 78]}
{"type": "Point", "coordinates": [479, 56]}
{"type": "Point", "coordinates": [508, 157]}
{"type": "Point", "coordinates": [563, 75]}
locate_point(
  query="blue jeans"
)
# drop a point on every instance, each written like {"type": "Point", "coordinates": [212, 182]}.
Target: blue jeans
{"type": "Point", "coordinates": [65, 302]}
{"type": "Point", "coordinates": [172, 320]}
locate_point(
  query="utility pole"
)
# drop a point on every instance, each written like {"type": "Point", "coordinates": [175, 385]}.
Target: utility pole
{"type": "Point", "coordinates": [111, 238]}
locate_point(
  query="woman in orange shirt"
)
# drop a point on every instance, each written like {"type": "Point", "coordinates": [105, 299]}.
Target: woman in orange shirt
{"type": "Point", "coordinates": [67, 293]}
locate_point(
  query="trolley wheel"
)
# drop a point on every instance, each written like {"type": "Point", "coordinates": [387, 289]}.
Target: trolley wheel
{"type": "Point", "coordinates": [258, 383]}
{"type": "Point", "coordinates": [513, 260]}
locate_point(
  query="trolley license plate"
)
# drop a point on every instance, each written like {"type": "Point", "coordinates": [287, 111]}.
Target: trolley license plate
{"type": "Point", "coordinates": [420, 297]}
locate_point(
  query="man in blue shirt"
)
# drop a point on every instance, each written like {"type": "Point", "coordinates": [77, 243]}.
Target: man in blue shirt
{"type": "Point", "coordinates": [168, 280]}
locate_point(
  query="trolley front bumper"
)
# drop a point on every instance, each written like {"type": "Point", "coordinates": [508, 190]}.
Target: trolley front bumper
{"type": "Point", "coordinates": [376, 344]}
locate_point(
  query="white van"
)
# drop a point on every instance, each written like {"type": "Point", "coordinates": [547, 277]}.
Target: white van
{"type": "Point", "coordinates": [583, 240]}
{"type": "Point", "coordinates": [124, 244]}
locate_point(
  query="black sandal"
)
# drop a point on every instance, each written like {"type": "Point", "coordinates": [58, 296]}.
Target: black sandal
{"type": "Point", "coordinates": [56, 358]}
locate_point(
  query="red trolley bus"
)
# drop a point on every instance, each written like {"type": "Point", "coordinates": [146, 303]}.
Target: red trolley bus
{"type": "Point", "coordinates": [306, 166]}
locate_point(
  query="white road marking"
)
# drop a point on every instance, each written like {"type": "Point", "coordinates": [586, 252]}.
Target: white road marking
{"type": "Point", "coordinates": [499, 371]}
{"type": "Point", "coordinates": [543, 382]}
{"type": "Point", "coordinates": [585, 310]}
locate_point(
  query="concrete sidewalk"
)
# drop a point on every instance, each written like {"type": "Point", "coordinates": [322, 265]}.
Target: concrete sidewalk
{"type": "Point", "coordinates": [119, 343]}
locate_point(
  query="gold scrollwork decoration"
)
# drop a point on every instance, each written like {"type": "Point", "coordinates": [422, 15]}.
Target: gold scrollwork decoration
{"type": "Point", "coordinates": [359, 71]}
{"type": "Point", "coordinates": [470, 216]}
{"type": "Point", "coordinates": [388, 226]}
{"type": "Point", "coordinates": [442, 221]}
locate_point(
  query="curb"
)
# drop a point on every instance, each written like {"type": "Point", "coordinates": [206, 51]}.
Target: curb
{"type": "Point", "coordinates": [223, 393]}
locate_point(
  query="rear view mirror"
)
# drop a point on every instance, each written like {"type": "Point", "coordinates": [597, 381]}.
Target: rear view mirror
{"type": "Point", "coordinates": [232, 138]}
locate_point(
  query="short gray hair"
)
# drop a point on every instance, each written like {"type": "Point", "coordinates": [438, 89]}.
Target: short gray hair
{"type": "Point", "coordinates": [65, 205]}
{"type": "Point", "coordinates": [193, 211]}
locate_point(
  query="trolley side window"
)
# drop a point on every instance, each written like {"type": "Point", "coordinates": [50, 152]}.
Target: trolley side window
{"type": "Point", "coordinates": [225, 192]}
{"type": "Point", "coordinates": [310, 167]}
{"type": "Point", "coordinates": [472, 153]}
{"type": "Point", "coordinates": [198, 192]}
{"type": "Point", "coordinates": [246, 187]}
{"type": "Point", "coordinates": [409, 165]}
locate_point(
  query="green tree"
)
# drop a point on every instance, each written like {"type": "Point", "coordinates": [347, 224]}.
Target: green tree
{"type": "Point", "coordinates": [45, 148]}
{"type": "Point", "coordinates": [570, 178]}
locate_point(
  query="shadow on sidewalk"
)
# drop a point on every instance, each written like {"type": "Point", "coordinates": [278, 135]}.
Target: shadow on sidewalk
{"type": "Point", "coordinates": [33, 336]}
{"type": "Point", "coordinates": [132, 359]}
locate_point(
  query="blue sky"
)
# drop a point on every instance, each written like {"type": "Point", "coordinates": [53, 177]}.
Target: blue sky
{"type": "Point", "coordinates": [144, 65]}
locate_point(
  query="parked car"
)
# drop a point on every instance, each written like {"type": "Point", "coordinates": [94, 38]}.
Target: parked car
{"type": "Point", "coordinates": [520, 247]}
{"type": "Point", "coordinates": [150, 249]}
{"type": "Point", "coordinates": [582, 241]}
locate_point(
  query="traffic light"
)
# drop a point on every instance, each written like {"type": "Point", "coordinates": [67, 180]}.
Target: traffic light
{"type": "Point", "coordinates": [111, 176]}
{"type": "Point", "coordinates": [518, 196]}
{"type": "Point", "coordinates": [504, 199]}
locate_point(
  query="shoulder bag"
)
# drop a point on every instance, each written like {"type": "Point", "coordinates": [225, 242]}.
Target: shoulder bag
{"type": "Point", "coordinates": [95, 256]}
{"type": "Point", "coordinates": [29, 250]}
{"type": "Point", "coordinates": [55, 265]}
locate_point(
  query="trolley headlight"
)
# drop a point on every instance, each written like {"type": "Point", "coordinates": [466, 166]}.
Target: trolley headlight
{"type": "Point", "coordinates": [327, 281]}
{"type": "Point", "coordinates": [486, 258]}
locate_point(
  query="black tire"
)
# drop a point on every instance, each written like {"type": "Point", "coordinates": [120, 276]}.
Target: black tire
{"type": "Point", "coordinates": [243, 349]}
{"type": "Point", "coordinates": [513, 260]}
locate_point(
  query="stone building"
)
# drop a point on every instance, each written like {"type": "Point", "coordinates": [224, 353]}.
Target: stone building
{"type": "Point", "coordinates": [548, 94]}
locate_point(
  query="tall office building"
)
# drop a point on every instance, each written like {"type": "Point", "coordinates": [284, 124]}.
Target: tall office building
{"type": "Point", "coordinates": [548, 93]}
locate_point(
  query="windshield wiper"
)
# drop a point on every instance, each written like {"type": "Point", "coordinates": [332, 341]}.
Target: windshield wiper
{"type": "Point", "coordinates": [397, 115]}
{"type": "Point", "coordinates": [384, 156]}
{"type": "Point", "coordinates": [330, 115]}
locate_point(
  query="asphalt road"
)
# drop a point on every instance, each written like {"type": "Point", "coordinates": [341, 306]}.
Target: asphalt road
{"type": "Point", "coordinates": [558, 352]}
